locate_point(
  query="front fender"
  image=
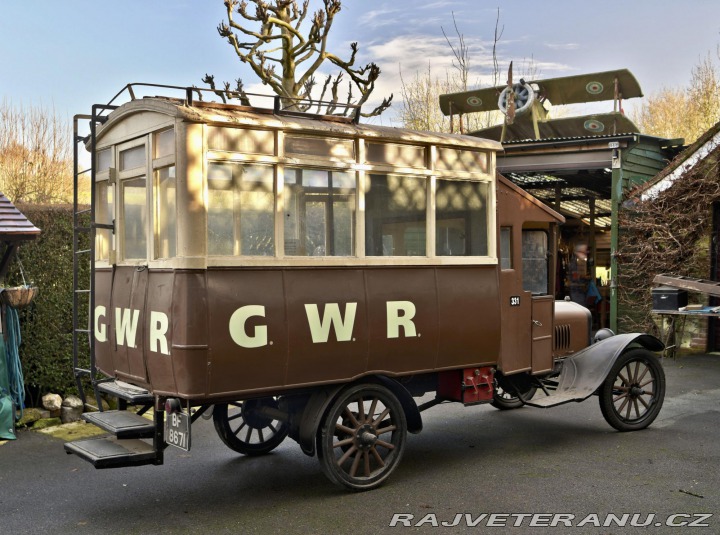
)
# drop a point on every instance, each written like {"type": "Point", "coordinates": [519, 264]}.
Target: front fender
{"type": "Point", "coordinates": [586, 370]}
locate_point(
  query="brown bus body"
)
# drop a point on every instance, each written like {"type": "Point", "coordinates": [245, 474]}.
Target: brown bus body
{"type": "Point", "coordinates": [462, 316]}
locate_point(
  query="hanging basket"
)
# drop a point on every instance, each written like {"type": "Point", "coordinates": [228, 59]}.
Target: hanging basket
{"type": "Point", "coordinates": [19, 296]}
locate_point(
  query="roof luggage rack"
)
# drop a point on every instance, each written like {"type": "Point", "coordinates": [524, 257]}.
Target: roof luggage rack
{"type": "Point", "coordinates": [286, 106]}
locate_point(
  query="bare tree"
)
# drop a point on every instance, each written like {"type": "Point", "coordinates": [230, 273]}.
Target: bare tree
{"type": "Point", "coordinates": [420, 109]}
{"type": "Point", "coordinates": [271, 41]}
{"type": "Point", "coordinates": [35, 155]}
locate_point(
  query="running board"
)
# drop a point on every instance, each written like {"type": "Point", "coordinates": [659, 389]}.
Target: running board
{"type": "Point", "coordinates": [111, 452]}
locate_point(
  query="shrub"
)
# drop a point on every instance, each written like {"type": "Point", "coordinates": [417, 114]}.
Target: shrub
{"type": "Point", "coordinates": [46, 324]}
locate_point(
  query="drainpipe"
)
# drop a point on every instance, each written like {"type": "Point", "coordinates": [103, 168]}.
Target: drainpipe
{"type": "Point", "coordinates": [614, 233]}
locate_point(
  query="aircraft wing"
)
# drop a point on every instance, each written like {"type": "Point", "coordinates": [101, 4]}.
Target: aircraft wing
{"type": "Point", "coordinates": [566, 127]}
{"type": "Point", "coordinates": [470, 101]}
{"type": "Point", "coordinates": [594, 87]}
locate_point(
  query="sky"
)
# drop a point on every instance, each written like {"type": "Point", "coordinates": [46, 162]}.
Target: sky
{"type": "Point", "coordinates": [68, 55]}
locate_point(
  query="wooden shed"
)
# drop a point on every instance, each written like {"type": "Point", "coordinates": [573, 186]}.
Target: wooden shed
{"type": "Point", "coordinates": [587, 179]}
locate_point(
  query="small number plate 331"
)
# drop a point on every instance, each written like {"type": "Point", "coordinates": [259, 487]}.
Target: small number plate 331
{"type": "Point", "coordinates": [177, 430]}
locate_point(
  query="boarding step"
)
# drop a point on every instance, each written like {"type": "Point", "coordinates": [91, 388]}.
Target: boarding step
{"type": "Point", "coordinates": [122, 424]}
{"type": "Point", "coordinates": [111, 452]}
{"type": "Point", "coordinates": [134, 395]}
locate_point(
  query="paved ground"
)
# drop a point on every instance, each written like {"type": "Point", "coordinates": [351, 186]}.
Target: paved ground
{"type": "Point", "coordinates": [468, 461]}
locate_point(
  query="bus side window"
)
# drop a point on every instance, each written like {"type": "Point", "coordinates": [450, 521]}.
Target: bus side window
{"type": "Point", "coordinates": [241, 202]}
{"type": "Point", "coordinates": [535, 261]}
{"type": "Point", "coordinates": [395, 215]}
{"type": "Point", "coordinates": [461, 227]}
{"type": "Point", "coordinates": [506, 256]}
{"type": "Point", "coordinates": [319, 212]}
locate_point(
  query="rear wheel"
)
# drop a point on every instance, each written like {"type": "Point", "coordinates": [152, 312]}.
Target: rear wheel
{"type": "Point", "coordinates": [362, 437]}
{"type": "Point", "coordinates": [245, 428]}
{"type": "Point", "coordinates": [633, 392]}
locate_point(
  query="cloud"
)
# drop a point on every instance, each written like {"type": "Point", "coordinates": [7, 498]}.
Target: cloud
{"type": "Point", "coordinates": [562, 46]}
{"type": "Point", "coordinates": [379, 17]}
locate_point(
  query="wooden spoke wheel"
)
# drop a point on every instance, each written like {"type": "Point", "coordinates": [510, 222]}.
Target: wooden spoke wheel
{"type": "Point", "coordinates": [362, 437]}
{"type": "Point", "coordinates": [245, 428]}
{"type": "Point", "coordinates": [633, 392]}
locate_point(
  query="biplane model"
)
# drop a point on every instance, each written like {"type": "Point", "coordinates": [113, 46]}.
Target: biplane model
{"type": "Point", "coordinates": [526, 117]}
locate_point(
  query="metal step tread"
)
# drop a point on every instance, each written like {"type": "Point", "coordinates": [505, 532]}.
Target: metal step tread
{"type": "Point", "coordinates": [109, 452]}
{"type": "Point", "coordinates": [122, 424]}
{"type": "Point", "coordinates": [130, 393]}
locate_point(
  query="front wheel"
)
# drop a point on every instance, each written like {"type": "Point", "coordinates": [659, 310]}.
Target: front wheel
{"type": "Point", "coordinates": [362, 437]}
{"type": "Point", "coordinates": [633, 392]}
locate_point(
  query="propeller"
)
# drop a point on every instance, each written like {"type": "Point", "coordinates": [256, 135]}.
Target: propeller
{"type": "Point", "coordinates": [510, 98]}
{"type": "Point", "coordinates": [515, 99]}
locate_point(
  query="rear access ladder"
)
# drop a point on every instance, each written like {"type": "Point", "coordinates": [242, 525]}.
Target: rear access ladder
{"type": "Point", "coordinates": [128, 446]}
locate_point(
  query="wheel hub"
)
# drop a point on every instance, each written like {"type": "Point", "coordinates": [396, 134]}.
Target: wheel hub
{"type": "Point", "coordinates": [636, 391]}
{"type": "Point", "coordinates": [252, 415]}
{"type": "Point", "coordinates": [365, 437]}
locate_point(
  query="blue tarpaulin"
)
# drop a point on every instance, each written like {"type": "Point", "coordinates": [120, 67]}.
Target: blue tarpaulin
{"type": "Point", "coordinates": [7, 410]}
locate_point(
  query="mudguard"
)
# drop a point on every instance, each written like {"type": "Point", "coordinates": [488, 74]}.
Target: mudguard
{"type": "Point", "coordinates": [586, 370]}
{"type": "Point", "coordinates": [322, 398]}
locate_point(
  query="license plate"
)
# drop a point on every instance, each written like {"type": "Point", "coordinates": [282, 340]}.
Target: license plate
{"type": "Point", "coordinates": [177, 430]}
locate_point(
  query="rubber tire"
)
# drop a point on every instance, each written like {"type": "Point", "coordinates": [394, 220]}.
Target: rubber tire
{"type": "Point", "coordinates": [610, 413]}
{"type": "Point", "coordinates": [230, 437]}
{"type": "Point", "coordinates": [506, 404]}
{"type": "Point", "coordinates": [326, 437]}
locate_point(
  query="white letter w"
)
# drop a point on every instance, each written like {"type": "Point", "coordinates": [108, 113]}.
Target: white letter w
{"type": "Point", "coordinates": [126, 322]}
{"type": "Point", "coordinates": [320, 329]}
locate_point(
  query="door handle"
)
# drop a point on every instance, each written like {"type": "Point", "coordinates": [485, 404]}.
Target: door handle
{"type": "Point", "coordinates": [537, 323]}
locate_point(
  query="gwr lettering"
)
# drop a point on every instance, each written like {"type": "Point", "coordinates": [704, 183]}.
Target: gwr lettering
{"type": "Point", "coordinates": [400, 316]}
{"type": "Point", "coordinates": [126, 323]}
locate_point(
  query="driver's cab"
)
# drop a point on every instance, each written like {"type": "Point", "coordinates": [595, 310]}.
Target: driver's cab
{"type": "Point", "coordinates": [527, 238]}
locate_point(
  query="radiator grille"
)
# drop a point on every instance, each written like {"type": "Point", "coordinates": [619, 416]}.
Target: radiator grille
{"type": "Point", "coordinates": [562, 337]}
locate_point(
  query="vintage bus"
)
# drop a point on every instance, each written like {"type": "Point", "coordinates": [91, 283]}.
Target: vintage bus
{"type": "Point", "coordinates": [311, 277]}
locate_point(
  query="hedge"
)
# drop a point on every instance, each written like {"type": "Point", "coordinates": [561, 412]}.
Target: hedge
{"type": "Point", "coordinates": [46, 324]}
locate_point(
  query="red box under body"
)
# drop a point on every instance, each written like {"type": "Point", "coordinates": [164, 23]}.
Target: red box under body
{"type": "Point", "coordinates": [469, 386]}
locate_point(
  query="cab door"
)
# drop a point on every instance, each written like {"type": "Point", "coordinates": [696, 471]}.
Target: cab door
{"type": "Point", "coordinates": [542, 333]}
{"type": "Point", "coordinates": [536, 281]}
{"type": "Point", "coordinates": [527, 305]}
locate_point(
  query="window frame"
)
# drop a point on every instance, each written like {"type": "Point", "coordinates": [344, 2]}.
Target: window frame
{"type": "Point", "coordinates": [124, 176]}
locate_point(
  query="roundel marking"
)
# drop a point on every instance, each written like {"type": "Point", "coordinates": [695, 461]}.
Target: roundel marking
{"type": "Point", "coordinates": [474, 101]}
{"type": "Point", "coordinates": [594, 88]}
{"type": "Point", "coordinates": [593, 125]}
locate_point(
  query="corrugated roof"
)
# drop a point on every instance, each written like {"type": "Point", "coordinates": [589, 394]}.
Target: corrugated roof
{"type": "Point", "coordinates": [13, 224]}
